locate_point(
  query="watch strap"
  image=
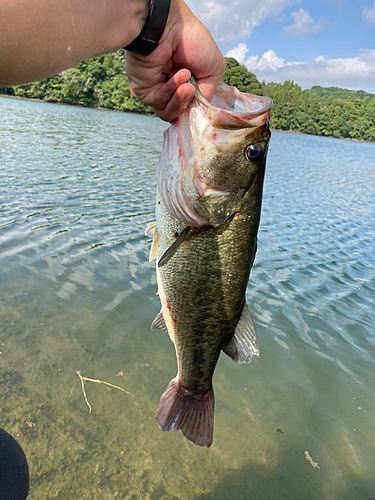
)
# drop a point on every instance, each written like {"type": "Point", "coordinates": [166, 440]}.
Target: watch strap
{"type": "Point", "coordinates": [152, 31]}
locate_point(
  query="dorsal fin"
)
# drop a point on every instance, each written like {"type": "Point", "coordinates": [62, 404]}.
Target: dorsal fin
{"type": "Point", "coordinates": [152, 232]}
{"type": "Point", "coordinates": [150, 229]}
{"type": "Point", "coordinates": [244, 343]}
{"type": "Point", "coordinates": [154, 247]}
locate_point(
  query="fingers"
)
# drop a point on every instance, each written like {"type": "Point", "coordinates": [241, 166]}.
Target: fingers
{"type": "Point", "coordinates": [167, 90]}
{"type": "Point", "coordinates": [208, 84]}
{"type": "Point", "coordinates": [177, 104]}
{"type": "Point", "coordinates": [207, 87]}
{"type": "Point", "coordinates": [172, 99]}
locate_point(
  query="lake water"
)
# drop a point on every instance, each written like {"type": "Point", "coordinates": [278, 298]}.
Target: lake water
{"type": "Point", "coordinates": [77, 293]}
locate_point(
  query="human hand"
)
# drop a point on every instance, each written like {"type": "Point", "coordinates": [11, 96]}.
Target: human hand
{"type": "Point", "coordinates": [186, 47]}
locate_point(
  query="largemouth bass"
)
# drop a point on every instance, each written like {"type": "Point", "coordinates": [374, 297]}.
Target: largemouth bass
{"type": "Point", "coordinates": [209, 194]}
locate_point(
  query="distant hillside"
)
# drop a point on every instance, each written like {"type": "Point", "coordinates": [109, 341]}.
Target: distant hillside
{"type": "Point", "coordinates": [300, 110]}
{"type": "Point", "coordinates": [102, 82]}
{"type": "Point", "coordinates": [98, 83]}
{"type": "Point", "coordinates": [337, 93]}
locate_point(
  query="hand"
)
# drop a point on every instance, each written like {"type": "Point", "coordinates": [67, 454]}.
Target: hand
{"type": "Point", "coordinates": [186, 47]}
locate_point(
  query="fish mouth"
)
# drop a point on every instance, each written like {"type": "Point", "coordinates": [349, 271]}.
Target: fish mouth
{"type": "Point", "coordinates": [231, 109]}
{"type": "Point", "coordinates": [239, 104]}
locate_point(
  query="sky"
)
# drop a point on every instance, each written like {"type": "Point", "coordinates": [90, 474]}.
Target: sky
{"type": "Point", "coordinates": [312, 42]}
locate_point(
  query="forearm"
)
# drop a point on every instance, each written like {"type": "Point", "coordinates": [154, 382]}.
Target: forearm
{"type": "Point", "coordinates": [39, 38]}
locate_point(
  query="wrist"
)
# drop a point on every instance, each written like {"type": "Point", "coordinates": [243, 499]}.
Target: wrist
{"type": "Point", "coordinates": [122, 21]}
{"type": "Point", "coordinates": [140, 10]}
{"type": "Point", "coordinates": [148, 39]}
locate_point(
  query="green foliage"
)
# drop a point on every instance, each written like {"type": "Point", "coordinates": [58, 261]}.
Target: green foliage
{"type": "Point", "coordinates": [6, 91]}
{"type": "Point", "coordinates": [305, 111]}
{"type": "Point", "coordinates": [238, 76]}
{"type": "Point", "coordinates": [337, 93]}
{"type": "Point", "coordinates": [102, 82]}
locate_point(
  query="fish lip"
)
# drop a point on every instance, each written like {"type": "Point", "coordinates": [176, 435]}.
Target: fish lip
{"type": "Point", "coordinates": [225, 117]}
{"type": "Point", "coordinates": [266, 101]}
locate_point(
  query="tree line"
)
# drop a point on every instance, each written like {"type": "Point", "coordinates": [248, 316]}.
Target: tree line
{"type": "Point", "coordinates": [302, 111]}
{"type": "Point", "coordinates": [102, 82]}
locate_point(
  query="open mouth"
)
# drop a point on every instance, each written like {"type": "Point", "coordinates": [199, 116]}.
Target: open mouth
{"type": "Point", "coordinates": [232, 109]}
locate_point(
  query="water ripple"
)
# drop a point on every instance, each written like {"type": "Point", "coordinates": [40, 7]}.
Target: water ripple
{"type": "Point", "coordinates": [76, 192]}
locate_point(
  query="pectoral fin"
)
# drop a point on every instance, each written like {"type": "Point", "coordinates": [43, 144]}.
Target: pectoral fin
{"type": "Point", "coordinates": [168, 254]}
{"type": "Point", "coordinates": [244, 343]}
{"type": "Point", "coordinates": [159, 323]}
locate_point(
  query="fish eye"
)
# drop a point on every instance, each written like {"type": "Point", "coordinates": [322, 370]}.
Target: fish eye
{"type": "Point", "coordinates": [253, 151]}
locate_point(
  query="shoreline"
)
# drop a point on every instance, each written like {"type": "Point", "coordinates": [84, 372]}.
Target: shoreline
{"type": "Point", "coordinates": [326, 136]}
{"type": "Point", "coordinates": [134, 111]}
{"type": "Point", "coordinates": [145, 113]}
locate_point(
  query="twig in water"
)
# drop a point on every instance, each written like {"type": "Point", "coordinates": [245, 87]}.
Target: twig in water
{"type": "Point", "coordinates": [311, 461]}
{"type": "Point", "coordinates": [86, 379]}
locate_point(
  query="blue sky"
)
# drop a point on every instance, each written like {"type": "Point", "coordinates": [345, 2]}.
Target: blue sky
{"type": "Point", "coordinates": [313, 42]}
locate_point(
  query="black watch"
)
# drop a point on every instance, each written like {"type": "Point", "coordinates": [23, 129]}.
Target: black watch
{"type": "Point", "coordinates": [149, 37]}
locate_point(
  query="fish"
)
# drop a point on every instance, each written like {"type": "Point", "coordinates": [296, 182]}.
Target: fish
{"type": "Point", "coordinates": [210, 179]}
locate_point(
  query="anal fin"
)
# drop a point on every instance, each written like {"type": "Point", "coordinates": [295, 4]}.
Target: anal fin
{"type": "Point", "coordinates": [244, 343]}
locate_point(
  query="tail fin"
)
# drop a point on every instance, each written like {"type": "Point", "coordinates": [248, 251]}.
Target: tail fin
{"type": "Point", "coordinates": [192, 414]}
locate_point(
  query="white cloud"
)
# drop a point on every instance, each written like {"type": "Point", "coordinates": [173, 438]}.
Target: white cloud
{"type": "Point", "coordinates": [239, 52]}
{"type": "Point", "coordinates": [268, 62]}
{"type": "Point", "coordinates": [354, 72]}
{"type": "Point", "coordinates": [232, 20]}
{"type": "Point", "coordinates": [369, 14]}
{"type": "Point", "coordinates": [303, 24]}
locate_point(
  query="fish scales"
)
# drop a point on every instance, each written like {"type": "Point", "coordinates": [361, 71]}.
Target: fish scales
{"type": "Point", "coordinates": [210, 182]}
{"type": "Point", "coordinates": [202, 292]}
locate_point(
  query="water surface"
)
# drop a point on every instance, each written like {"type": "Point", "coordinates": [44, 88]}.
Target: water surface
{"type": "Point", "coordinates": [77, 293]}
